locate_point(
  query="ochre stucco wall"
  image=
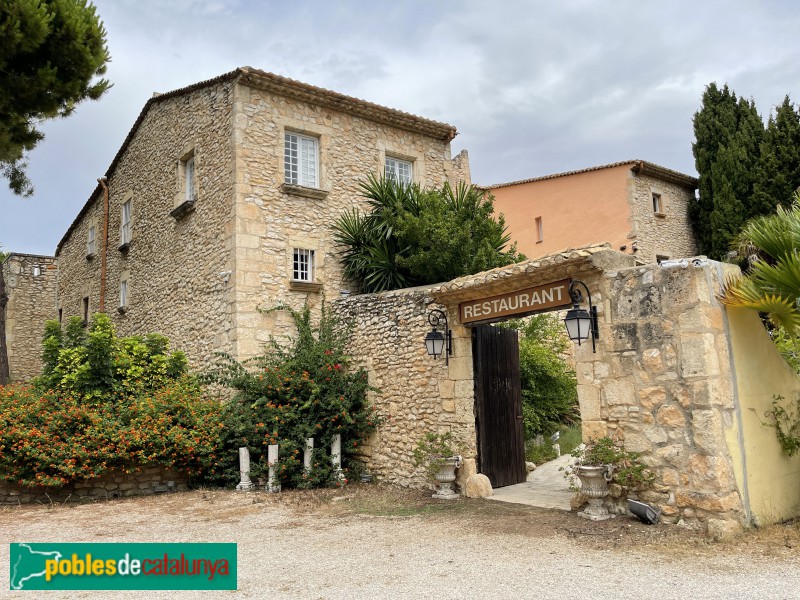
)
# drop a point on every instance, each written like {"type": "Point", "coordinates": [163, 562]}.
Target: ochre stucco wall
{"type": "Point", "coordinates": [772, 477]}
{"type": "Point", "coordinates": [576, 210]}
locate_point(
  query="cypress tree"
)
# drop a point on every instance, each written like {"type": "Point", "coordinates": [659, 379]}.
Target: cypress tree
{"type": "Point", "coordinates": [778, 169]}
{"type": "Point", "coordinates": [728, 135]}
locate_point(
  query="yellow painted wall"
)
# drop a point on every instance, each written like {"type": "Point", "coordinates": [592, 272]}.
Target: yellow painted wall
{"type": "Point", "coordinates": [773, 479]}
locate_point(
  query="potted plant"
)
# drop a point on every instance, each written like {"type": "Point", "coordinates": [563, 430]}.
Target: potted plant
{"type": "Point", "coordinates": [601, 462]}
{"type": "Point", "coordinates": [439, 452]}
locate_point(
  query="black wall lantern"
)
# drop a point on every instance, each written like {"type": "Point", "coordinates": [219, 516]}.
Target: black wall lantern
{"type": "Point", "coordinates": [581, 324]}
{"type": "Point", "coordinates": [437, 342]}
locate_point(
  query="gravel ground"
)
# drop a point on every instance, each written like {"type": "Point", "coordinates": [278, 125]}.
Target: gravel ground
{"type": "Point", "coordinates": [392, 544]}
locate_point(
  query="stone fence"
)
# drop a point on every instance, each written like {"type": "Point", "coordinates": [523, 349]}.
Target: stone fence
{"type": "Point", "coordinates": [149, 481]}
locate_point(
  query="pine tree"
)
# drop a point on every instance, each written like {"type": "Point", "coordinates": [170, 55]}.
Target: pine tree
{"type": "Point", "coordinates": [50, 53]}
{"type": "Point", "coordinates": [778, 169]}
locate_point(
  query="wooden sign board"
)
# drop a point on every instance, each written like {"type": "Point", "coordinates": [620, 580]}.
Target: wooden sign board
{"type": "Point", "coordinates": [522, 302]}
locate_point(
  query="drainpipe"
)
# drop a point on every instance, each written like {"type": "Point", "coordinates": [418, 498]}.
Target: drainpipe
{"type": "Point", "coordinates": [103, 181]}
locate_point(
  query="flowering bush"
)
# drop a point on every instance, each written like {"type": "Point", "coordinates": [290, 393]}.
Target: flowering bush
{"type": "Point", "coordinates": [106, 404]}
{"type": "Point", "coordinates": [50, 439]}
{"type": "Point", "coordinates": [290, 394]}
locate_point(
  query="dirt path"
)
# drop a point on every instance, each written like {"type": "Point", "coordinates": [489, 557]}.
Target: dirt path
{"type": "Point", "coordinates": [368, 542]}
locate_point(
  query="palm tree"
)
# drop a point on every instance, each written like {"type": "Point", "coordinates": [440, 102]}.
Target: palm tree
{"type": "Point", "coordinates": [772, 284]}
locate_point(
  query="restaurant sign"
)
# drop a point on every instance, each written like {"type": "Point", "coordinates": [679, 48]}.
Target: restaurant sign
{"type": "Point", "coordinates": [522, 302]}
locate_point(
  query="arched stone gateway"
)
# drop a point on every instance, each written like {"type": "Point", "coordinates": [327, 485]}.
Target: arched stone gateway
{"type": "Point", "coordinates": [675, 376]}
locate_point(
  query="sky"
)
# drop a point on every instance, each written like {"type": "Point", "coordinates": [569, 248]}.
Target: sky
{"type": "Point", "coordinates": [533, 87]}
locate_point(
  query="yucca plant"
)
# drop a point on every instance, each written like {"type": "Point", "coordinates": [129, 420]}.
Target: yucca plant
{"type": "Point", "coordinates": [772, 283]}
{"type": "Point", "coordinates": [414, 236]}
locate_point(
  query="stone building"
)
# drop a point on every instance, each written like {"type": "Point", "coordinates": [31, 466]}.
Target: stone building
{"type": "Point", "coordinates": [640, 208]}
{"type": "Point", "coordinates": [219, 204]}
{"type": "Point", "coordinates": [31, 282]}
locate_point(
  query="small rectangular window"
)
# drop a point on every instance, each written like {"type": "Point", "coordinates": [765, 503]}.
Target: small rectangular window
{"type": "Point", "coordinates": [123, 294]}
{"type": "Point", "coordinates": [300, 160]}
{"type": "Point", "coordinates": [125, 232]}
{"type": "Point", "coordinates": [399, 170]}
{"type": "Point", "coordinates": [91, 243]}
{"type": "Point", "coordinates": [85, 311]}
{"type": "Point", "coordinates": [539, 230]}
{"type": "Point", "coordinates": [60, 315]}
{"type": "Point", "coordinates": [658, 204]}
{"type": "Point", "coordinates": [188, 180]}
{"type": "Point", "coordinates": [303, 265]}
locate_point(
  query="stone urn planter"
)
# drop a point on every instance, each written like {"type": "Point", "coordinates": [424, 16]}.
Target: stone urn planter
{"type": "Point", "coordinates": [445, 477]}
{"type": "Point", "coordinates": [594, 485]}
{"type": "Point", "coordinates": [440, 453]}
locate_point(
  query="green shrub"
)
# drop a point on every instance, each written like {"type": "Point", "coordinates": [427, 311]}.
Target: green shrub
{"type": "Point", "coordinates": [571, 438]}
{"type": "Point", "coordinates": [292, 393]}
{"type": "Point", "coordinates": [549, 386]}
{"type": "Point", "coordinates": [98, 364]}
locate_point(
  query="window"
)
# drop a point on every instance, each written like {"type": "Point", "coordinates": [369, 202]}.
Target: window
{"type": "Point", "coordinates": [123, 295]}
{"type": "Point", "coordinates": [125, 231]}
{"type": "Point", "coordinates": [399, 170]}
{"type": "Point", "coordinates": [91, 243]}
{"type": "Point", "coordinates": [300, 160]}
{"type": "Point", "coordinates": [303, 265]}
{"type": "Point", "coordinates": [36, 270]}
{"type": "Point", "coordinates": [85, 311]}
{"type": "Point", "coordinates": [60, 315]}
{"type": "Point", "coordinates": [658, 204]}
{"type": "Point", "coordinates": [539, 230]}
{"type": "Point", "coordinates": [188, 180]}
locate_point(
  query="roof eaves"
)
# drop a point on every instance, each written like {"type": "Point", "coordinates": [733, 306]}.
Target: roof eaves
{"type": "Point", "coordinates": [646, 168]}
{"type": "Point", "coordinates": [348, 104]}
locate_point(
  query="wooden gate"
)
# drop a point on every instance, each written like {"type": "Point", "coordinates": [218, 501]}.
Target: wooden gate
{"type": "Point", "coordinates": [498, 405]}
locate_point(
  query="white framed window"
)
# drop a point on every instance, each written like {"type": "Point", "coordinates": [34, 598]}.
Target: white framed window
{"type": "Point", "coordinates": [301, 160]}
{"type": "Point", "coordinates": [188, 180]}
{"type": "Point", "coordinates": [303, 265]}
{"type": "Point", "coordinates": [658, 204]}
{"type": "Point", "coordinates": [123, 294]}
{"type": "Point", "coordinates": [91, 242]}
{"type": "Point", "coordinates": [125, 229]}
{"type": "Point", "coordinates": [399, 170]}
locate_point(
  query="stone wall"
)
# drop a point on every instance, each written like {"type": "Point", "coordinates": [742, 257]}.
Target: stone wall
{"type": "Point", "coordinates": [177, 269]}
{"type": "Point", "coordinates": [418, 394]}
{"type": "Point", "coordinates": [668, 234]}
{"type": "Point", "coordinates": [460, 169]}
{"type": "Point", "coordinates": [661, 382]}
{"type": "Point", "coordinates": [31, 283]}
{"type": "Point", "coordinates": [154, 480]}
{"type": "Point", "coordinates": [271, 220]}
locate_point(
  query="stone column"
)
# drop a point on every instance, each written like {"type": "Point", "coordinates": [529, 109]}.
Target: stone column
{"type": "Point", "coordinates": [245, 485]}
{"type": "Point", "coordinates": [272, 458]}
{"type": "Point", "coordinates": [307, 454]}
{"type": "Point", "coordinates": [336, 455]}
